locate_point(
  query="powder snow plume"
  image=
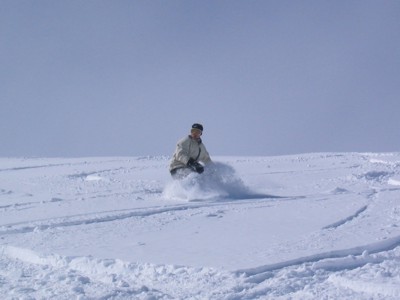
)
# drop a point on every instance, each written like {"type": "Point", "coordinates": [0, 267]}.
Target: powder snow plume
{"type": "Point", "coordinates": [219, 181]}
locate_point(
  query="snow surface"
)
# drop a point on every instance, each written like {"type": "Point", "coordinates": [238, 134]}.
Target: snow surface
{"type": "Point", "coordinates": [311, 226]}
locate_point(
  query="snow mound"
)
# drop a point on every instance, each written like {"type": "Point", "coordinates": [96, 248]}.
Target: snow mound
{"type": "Point", "coordinates": [375, 175]}
{"type": "Point", "coordinates": [86, 277]}
{"type": "Point", "coordinates": [394, 181]}
{"type": "Point", "coordinates": [218, 182]}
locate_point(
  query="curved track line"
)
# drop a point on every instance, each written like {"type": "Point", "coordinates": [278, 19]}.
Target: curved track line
{"type": "Point", "coordinates": [385, 245]}
{"type": "Point", "coordinates": [346, 220]}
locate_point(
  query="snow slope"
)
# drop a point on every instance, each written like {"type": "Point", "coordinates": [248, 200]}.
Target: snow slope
{"type": "Point", "coordinates": [311, 226]}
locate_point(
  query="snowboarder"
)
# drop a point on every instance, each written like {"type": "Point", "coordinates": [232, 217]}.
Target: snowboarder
{"type": "Point", "coordinates": [190, 151]}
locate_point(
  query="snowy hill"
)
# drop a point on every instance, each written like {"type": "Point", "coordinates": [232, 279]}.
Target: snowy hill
{"type": "Point", "coordinates": [311, 226]}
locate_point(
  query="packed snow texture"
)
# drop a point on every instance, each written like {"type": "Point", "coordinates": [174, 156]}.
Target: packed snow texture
{"type": "Point", "coordinates": [310, 226]}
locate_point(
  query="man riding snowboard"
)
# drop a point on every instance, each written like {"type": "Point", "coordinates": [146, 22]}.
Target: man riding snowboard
{"type": "Point", "coordinates": [189, 152]}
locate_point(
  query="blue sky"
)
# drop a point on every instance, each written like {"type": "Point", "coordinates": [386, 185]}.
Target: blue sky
{"type": "Point", "coordinates": [106, 78]}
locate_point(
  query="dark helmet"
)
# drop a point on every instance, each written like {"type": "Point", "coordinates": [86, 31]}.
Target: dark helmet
{"type": "Point", "coordinates": [197, 126]}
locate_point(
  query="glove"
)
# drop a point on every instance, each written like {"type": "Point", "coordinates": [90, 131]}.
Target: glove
{"type": "Point", "coordinates": [195, 166]}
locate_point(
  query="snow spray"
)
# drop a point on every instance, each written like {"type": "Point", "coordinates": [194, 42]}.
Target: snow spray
{"type": "Point", "coordinates": [218, 182]}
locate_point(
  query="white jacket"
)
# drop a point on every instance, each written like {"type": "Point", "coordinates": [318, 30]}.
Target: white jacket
{"type": "Point", "coordinates": [189, 148]}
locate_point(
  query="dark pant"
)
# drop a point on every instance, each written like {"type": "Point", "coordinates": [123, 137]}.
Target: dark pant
{"type": "Point", "coordinates": [180, 173]}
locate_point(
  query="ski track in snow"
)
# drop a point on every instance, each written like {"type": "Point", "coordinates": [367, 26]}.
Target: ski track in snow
{"type": "Point", "coordinates": [338, 255]}
{"type": "Point", "coordinates": [348, 219]}
{"type": "Point", "coordinates": [365, 271]}
{"type": "Point", "coordinates": [86, 219]}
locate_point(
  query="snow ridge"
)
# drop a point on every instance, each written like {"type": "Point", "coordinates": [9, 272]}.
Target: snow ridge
{"type": "Point", "coordinates": [348, 219]}
{"type": "Point", "coordinates": [385, 245]}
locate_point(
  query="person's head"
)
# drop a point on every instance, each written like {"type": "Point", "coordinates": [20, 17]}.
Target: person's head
{"type": "Point", "coordinates": [196, 131]}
